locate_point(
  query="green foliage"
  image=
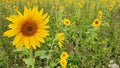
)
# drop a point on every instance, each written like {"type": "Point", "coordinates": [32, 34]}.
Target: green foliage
{"type": "Point", "coordinates": [88, 46]}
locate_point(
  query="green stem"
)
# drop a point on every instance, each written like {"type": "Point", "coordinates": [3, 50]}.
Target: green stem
{"type": "Point", "coordinates": [32, 57]}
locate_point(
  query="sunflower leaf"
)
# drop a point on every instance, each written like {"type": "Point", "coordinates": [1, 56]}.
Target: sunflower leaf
{"type": "Point", "coordinates": [28, 61]}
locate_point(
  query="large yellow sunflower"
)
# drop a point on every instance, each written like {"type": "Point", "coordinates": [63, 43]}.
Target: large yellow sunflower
{"type": "Point", "coordinates": [28, 28]}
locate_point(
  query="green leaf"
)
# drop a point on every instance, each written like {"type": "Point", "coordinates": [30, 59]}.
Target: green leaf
{"type": "Point", "coordinates": [58, 67]}
{"type": "Point", "coordinates": [0, 41]}
{"type": "Point", "coordinates": [40, 53]}
{"type": "Point", "coordinates": [25, 51]}
{"type": "Point", "coordinates": [28, 61]}
{"type": "Point", "coordinates": [47, 67]}
{"type": "Point", "coordinates": [52, 64]}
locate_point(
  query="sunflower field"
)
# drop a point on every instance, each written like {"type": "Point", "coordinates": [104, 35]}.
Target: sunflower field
{"type": "Point", "coordinates": [59, 33]}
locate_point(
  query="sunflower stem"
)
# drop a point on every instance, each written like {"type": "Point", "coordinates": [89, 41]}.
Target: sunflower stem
{"type": "Point", "coordinates": [32, 57]}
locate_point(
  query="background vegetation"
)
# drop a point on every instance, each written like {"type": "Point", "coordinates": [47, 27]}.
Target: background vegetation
{"type": "Point", "coordinates": [87, 46]}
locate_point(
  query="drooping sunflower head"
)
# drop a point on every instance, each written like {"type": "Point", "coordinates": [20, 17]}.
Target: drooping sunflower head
{"type": "Point", "coordinates": [60, 37]}
{"type": "Point", "coordinates": [28, 28]}
{"type": "Point", "coordinates": [96, 23]}
{"type": "Point", "coordinates": [64, 55]}
{"type": "Point", "coordinates": [67, 22]}
{"type": "Point", "coordinates": [63, 62]}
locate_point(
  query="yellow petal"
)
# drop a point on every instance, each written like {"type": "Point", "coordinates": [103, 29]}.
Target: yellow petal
{"type": "Point", "coordinates": [43, 27]}
{"type": "Point", "coordinates": [26, 11]}
{"type": "Point", "coordinates": [44, 16]}
{"type": "Point", "coordinates": [17, 39]}
{"type": "Point", "coordinates": [37, 42]}
{"type": "Point", "coordinates": [42, 33]}
{"type": "Point", "coordinates": [35, 11]}
{"type": "Point", "coordinates": [12, 18]}
{"type": "Point", "coordinates": [41, 12]}
{"type": "Point", "coordinates": [32, 42]}
{"type": "Point", "coordinates": [20, 43]}
{"type": "Point", "coordinates": [11, 25]}
{"type": "Point", "coordinates": [60, 44]}
{"type": "Point", "coordinates": [10, 33]}
{"type": "Point", "coordinates": [27, 42]}
{"type": "Point", "coordinates": [44, 21]}
{"type": "Point", "coordinates": [37, 36]}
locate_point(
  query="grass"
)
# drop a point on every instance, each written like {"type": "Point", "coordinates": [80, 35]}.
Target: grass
{"type": "Point", "coordinates": [87, 46]}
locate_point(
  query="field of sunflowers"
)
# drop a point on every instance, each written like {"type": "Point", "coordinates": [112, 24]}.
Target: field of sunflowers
{"type": "Point", "coordinates": [59, 33]}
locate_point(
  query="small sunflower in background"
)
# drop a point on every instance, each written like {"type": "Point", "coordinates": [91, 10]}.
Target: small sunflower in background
{"type": "Point", "coordinates": [60, 37]}
{"type": "Point", "coordinates": [96, 23]}
{"type": "Point", "coordinates": [100, 14]}
{"type": "Point", "coordinates": [64, 55]}
{"type": "Point", "coordinates": [67, 22]}
{"type": "Point", "coordinates": [63, 59]}
{"type": "Point", "coordinates": [106, 2]}
{"type": "Point", "coordinates": [110, 8]}
{"type": "Point", "coordinates": [70, 1]}
{"type": "Point", "coordinates": [15, 7]}
{"type": "Point", "coordinates": [61, 8]}
{"type": "Point", "coordinates": [63, 62]}
{"type": "Point", "coordinates": [79, 4]}
{"type": "Point", "coordinates": [93, 4]}
{"type": "Point", "coordinates": [28, 28]}
{"type": "Point", "coordinates": [30, 3]}
{"type": "Point", "coordinates": [7, 7]}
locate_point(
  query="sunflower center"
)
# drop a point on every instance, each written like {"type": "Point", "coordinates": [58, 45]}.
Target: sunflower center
{"type": "Point", "coordinates": [29, 28]}
{"type": "Point", "coordinates": [67, 22]}
{"type": "Point", "coordinates": [64, 55]}
{"type": "Point", "coordinates": [96, 22]}
{"type": "Point", "coordinates": [63, 63]}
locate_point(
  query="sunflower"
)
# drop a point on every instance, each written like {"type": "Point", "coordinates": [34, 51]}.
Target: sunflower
{"type": "Point", "coordinates": [69, 1]}
{"type": "Point", "coordinates": [106, 2]}
{"type": "Point", "coordinates": [67, 22]}
{"type": "Point", "coordinates": [96, 23]}
{"type": "Point", "coordinates": [61, 8]}
{"type": "Point", "coordinates": [29, 28]}
{"type": "Point", "coordinates": [63, 62]}
{"type": "Point", "coordinates": [7, 7]}
{"type": "Point", "coordinates": [15, 7]}
{"type": "Point", "coordinates": [64, 55]}
{"type": "Point", "coordinates": [93, 4]}
{"type": "Point", "coordinates": [110, 8]}
{"type": "Point", "coordinates": [100, 14]}
{"type": "Point", "coordinates": [60, 37]}
{"type": "Point", "coordinates": [30, 3]}
{"type": "Point", "coordinates": [80, 5]}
